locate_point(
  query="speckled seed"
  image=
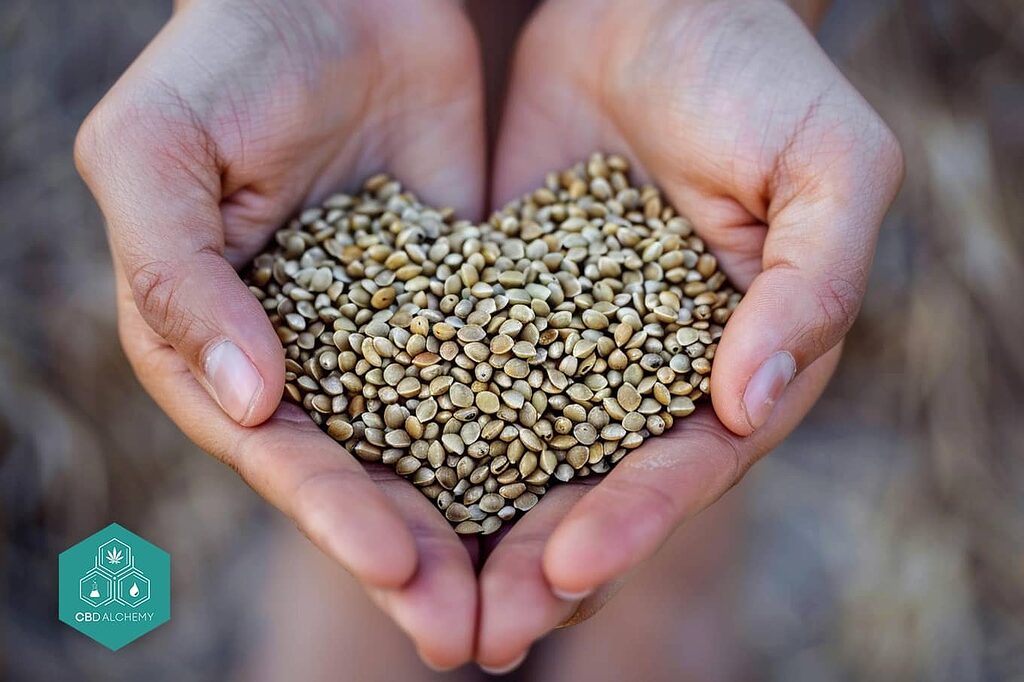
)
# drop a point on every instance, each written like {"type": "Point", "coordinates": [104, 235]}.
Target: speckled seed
{"type": "Point", "coordinates": [383, 298]}
{"type": "Point", "coordinates": [512, 490]}
{"type": "Point", "coordinates": [471, 332]}
{"type": "Point", "coordinates": [585, 433]}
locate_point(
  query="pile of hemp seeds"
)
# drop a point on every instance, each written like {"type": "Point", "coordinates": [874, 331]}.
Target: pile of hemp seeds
{"type": "Point", "coordinates": [486, 362]}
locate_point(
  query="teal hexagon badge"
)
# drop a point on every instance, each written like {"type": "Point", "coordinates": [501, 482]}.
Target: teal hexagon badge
{"type": "Point", "coordinates": [114, 586]}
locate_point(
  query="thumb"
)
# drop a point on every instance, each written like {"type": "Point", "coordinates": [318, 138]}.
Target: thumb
{"type": "Point", "coordinates": [822, 228]}
{"type": "Point", "coordinates": [159, 189]}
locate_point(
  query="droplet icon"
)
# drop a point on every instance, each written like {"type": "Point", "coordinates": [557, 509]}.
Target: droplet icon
{"type": "Point", "coordinates": [134, 590]}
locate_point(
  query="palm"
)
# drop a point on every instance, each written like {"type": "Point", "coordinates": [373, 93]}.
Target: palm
{"type": "Point", "coordinates": [297, 124]}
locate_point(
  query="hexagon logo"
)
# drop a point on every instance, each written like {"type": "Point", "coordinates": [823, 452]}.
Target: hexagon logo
{"type": "Point", "coordinates": [114, 587]}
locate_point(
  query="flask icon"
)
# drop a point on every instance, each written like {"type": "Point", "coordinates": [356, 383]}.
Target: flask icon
{"type": "Point", "coordinates": [95, 593]}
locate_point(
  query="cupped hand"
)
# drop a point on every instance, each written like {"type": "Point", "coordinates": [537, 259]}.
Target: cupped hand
{"type": "Point", "coordinates": [786, 172]}
{"type": "Point", "coordinates": [237, 114]}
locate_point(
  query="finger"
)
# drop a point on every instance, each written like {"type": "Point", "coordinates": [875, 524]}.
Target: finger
{"type": "Point", "coordinates": [549, 121]}
{"type": "Point", "coordinates": [441, 149]}
{"type": "Point", "coordinates": [517, 605]}
{"type": "Point", "coordinates": [424, 115]}
{"type": "Point", "coordinates": [823, 219]}
{"type": "Point", "coordinates": [438, 607]}
{"type": "Point", "coordinates": [287, 460]}
{"type": "Point", "coordinates": [662, 484]}
{"type": "Point", "coordinates": [158, 186]}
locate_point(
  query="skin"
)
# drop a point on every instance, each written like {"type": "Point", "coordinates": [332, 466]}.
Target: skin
{"type": "Point", "coordinates": [242, 111]}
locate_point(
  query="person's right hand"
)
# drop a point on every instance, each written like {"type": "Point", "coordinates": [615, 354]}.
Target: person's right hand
{"type": "Point", "coordinates": [237, 114]}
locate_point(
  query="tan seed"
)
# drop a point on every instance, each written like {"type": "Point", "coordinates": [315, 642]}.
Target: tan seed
{"type": "Point", "coordinates": [634, 421]}
{"type": "Point", "coordinates": [460, 395]}
{"type": "Point", "coordinates": [501, 344]}
{"type": "Point", "coordinates": [628, 397]}
{"type": "Point", "coordinates": [487, 402]}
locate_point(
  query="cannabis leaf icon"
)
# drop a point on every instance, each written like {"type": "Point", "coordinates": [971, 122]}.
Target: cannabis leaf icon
{"type": "Point", "coordinates": [114, 556]}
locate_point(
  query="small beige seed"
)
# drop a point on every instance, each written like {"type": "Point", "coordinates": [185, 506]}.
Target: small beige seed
{"type": "Point", "coordinates": [456, 512]}
{"type": "Point", "coordinates": [530, 440]}
{"type": "Point", "coordinates": [633, 421]}
{"type": "Point", "coordinates": [501, 344]}
{"type": "Point", "coordinates": [594, 320]}
{"type": "Point", "coordinates": [471, 332]}
{"type": "Point", "coordinates": [491, 502]}
{"type": "Point", "coordinates": [525, 502]}
{"type": "Point", "coordinates": [487, 402]}
{"type": "Point", "coordinates": [585, 433]}
{"type": "Point", "coordinates": [628, 397]}
{"type": "Point", "coordinates": [460, 395]}
{"type": "Point", "coordinates": [512, 490]}
{"type": "Point", "coordinates": [383, 298]}
{"type": "Point", "coordinates": [469, 528]}
{"type": "Point", "coordinates": [453, 443]}
{"type": "Point", "coordinates": [680, 406]}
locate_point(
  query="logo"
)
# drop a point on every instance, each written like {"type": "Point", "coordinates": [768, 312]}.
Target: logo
{"type": "Point", "coordinates": [115, 587]}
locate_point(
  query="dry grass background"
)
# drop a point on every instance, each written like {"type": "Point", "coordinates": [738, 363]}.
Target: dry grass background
{"type": "Point", "coordinates": [885, 539]}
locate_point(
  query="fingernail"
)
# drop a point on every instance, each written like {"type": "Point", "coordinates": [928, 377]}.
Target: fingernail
{"type": "Point", "coordinates": [571, 596]}
{"type": "Point", "coordinates": [505, 669]}
{"type": "Point", "coordinates": [232, 379]}
{"type": "Point", "coordinates": [766, 386]}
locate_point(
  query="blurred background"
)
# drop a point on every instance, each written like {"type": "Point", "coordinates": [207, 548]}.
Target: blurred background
{"type": "Point", "coordinates": [883, 541]}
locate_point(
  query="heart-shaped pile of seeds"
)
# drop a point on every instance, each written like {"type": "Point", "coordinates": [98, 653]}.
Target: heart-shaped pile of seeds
{"type": "Point", "coordinates": [485, 362]}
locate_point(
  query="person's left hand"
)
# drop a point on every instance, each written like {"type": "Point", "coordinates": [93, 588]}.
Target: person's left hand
{"type": "Point", "coordinates": [785, 171]}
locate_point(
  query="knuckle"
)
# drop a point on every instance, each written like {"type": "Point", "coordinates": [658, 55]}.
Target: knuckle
{"type": "Point", "coordinates": [149, 117]}
{"type": "Point", "coordinates": [308, 491]}
{"type": "Point", "coordinates": [86, 140]}
{"type": "Point", "coordinates": [137, 356]}
{"type": "Point", "coordinates": [156, 288]}
{"type": "Point", "coordinates": [837, 300]}
{"type": "Point", "coordinates": [661, 504]}
{"type": "Point", "coordinates": [91, 141]}
{"type": "Point", "coordinates": [890, 155]}
{"type": "Point", "coordinates": [722, 446]}
{"type": "Point", "coordinates": [148, 358]}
